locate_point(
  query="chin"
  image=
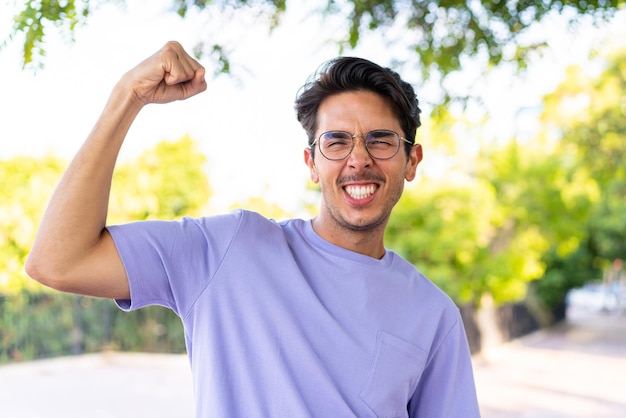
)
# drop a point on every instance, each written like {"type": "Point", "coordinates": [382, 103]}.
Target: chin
{"type": "Point", "coordinates": [365, 225]}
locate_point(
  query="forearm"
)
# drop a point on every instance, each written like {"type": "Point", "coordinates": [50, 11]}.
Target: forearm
{"type": "Point", "coordinates": [74, 221]}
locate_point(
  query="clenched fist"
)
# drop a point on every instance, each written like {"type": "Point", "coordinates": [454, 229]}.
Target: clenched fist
{"type": "Point", "coordinates": [168, 75]}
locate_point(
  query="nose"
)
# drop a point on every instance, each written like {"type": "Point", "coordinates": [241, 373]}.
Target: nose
{"type": "Point", "coordinates": [359, 157]}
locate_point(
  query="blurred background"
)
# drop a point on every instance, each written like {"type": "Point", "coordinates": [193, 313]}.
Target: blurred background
{"type": "Point", "coordinates": [518, 212]}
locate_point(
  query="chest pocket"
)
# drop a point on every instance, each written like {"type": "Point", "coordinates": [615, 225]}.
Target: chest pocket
{"type": "Point", "coordinates": [396, 369]}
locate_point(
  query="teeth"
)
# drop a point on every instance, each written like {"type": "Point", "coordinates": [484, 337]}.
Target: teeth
{"type": "Point", "coordinates": [360, 192]}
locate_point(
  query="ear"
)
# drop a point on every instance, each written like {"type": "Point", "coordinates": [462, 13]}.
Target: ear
{"type": "Point", "coordinates": [415, 157]}
{"type": "Point", "coordinates": [310, 162]}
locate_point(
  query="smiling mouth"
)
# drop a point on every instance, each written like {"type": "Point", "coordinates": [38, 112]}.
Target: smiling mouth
{"type": "Point", "coordinates": [360, 191]}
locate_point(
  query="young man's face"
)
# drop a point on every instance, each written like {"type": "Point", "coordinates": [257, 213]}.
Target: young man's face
{"type": "Point", "coordinates": [359, 191]}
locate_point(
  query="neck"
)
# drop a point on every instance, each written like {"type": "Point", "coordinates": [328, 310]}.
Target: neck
{"type": "Point", "coordinates": [367, 242]}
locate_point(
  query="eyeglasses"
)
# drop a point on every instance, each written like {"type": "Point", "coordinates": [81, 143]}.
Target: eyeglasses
{"type": "Point", "coordinates": [380, 144]}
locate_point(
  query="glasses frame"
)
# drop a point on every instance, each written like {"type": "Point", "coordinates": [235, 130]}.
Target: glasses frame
{"type": "Point", "coordinates": [354, 136]}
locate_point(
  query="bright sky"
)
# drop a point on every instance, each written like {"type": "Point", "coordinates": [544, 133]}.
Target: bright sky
{"type": "Point", "coordinates": [245, 124]}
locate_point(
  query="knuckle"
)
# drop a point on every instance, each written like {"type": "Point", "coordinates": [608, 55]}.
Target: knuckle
{"type": "Point", "coordinates": [173, 45]}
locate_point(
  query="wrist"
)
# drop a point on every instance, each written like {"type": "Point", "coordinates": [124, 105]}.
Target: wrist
{"type": "Point", "coordinates": [123, 99]}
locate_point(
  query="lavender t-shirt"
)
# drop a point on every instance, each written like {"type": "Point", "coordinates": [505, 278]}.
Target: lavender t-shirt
{"type": "Point", "coordinates": [281, 323]}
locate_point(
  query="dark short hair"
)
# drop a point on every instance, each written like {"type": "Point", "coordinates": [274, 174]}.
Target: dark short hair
{"type": "Point", "coordinates": [353, 74]}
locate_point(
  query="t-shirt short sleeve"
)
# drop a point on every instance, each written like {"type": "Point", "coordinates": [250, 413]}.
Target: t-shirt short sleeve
{"type": "Point", "coordinates": [156, 253]}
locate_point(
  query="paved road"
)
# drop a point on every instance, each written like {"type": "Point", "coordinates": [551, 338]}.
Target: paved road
{"type": "Point", "coordinates": [577, 369]}
{"type": "Point", "coordinates": [108, 385]}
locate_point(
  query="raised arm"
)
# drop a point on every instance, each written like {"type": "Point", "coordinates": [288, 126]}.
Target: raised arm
{"type": "Point", "coordinates": [72, 251]}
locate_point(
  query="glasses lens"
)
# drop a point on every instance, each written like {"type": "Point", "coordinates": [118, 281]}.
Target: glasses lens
{"type": "Point", "coordinates": [382, 144]}
{"type": "Point", "coordinates": [335, 145]}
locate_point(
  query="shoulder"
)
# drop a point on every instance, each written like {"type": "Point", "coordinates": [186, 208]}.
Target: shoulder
{"type": "Point", "coordinates": [234, 220]}
{"type": "Point", "coordinates": [422, 283]}
{"type": "Point", "coordinates": [427, 296]}
{"type": "Point", "coordinates": [222, 227]}
{"type": "Point", "coordinates": [248, 226]}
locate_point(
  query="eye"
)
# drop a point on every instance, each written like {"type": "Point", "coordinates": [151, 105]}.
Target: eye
{"type": "Point", "coordinates": [336, 139]}
{"type": "Point", "coordinates": [381, 138]}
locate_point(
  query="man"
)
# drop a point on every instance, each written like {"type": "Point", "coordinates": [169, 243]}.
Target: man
{"type": "Point", "coordinates": [293, 319]}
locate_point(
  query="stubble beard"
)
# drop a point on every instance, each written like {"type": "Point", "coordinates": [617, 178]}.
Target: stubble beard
{"type": "Point", "coordinates": [340, 222]}
{"type": "Point", "coordinates": [364, 227]}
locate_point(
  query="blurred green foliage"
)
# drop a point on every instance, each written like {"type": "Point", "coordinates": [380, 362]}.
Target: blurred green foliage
{"type": "Point", "coordinates": [44, 324]}
{"type": "Point", "coordinates": [27, 184]}
{"type": "Point", "coordinates": [166, 182]}
{"type": "Point", "coordinates": [549, 211]}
